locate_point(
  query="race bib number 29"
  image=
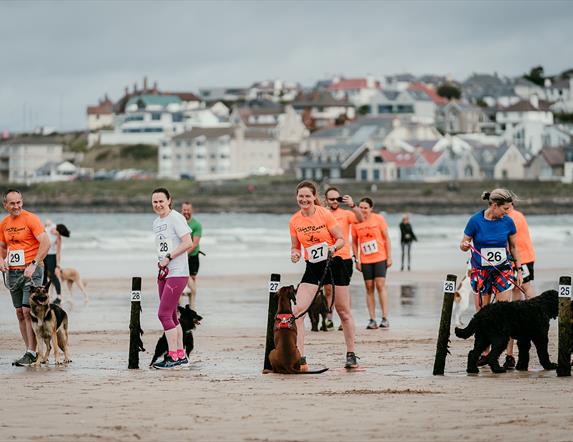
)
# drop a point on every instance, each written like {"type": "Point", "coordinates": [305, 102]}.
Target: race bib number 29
{"type": "Point", "coordinates": [317, 253]}
{"type": "Point", "coordinates": [16, 258]}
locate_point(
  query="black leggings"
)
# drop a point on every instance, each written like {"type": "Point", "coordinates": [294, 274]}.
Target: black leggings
{"type": "Point", "coordinates": [50, 273]}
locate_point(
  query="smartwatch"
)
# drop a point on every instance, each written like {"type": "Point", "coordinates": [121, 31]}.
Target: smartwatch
{"type": "Point", "coordinates": [168, 256]}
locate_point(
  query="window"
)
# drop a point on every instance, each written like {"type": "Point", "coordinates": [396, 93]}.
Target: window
{"type": "Point", "coordinates": [405, 109]}
{"type": "Point", "coordinates": [385, 109]}
{"type": "Point", "coordinates": [376, 175]}
{"type": "Point", "coordinates": [177, 117]}
{"type": "Point", "coordinates": [364, 175]}
{"type": "Point", "coordinates": [156, 116]}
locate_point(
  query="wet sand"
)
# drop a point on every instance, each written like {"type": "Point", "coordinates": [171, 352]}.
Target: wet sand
{"type": "Point", "coordinates": [224, 396]}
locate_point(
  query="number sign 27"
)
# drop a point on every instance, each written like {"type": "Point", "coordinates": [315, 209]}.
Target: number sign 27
{"type": "Point", "coordinates": [273, 286]}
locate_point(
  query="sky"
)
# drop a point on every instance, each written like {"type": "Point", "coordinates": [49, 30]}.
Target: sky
{"type": "Point", "coordinates": [58, 57]}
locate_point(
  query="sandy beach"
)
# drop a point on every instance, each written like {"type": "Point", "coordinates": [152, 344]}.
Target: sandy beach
{"type": "Point", "coordinates": [224, 396]}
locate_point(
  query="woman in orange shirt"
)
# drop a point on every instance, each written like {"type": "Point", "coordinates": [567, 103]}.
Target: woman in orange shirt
{"type": "Point", "coordinates": [372, 249]}
{"type": "Point", "coordinates": [315, 231]}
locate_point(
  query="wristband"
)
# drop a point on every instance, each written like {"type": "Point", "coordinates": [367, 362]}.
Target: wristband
{"type": "Point", "coordinates": [34, 262]}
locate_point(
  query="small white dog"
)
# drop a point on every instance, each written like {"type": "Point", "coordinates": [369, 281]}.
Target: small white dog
{"type": "Point", "coordinates": [462, 298]}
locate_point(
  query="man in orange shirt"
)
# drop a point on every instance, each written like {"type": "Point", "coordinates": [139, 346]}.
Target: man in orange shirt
{"type": "Point", "coordinates": [345, 219]}
{"type": "Point", "coordinates": [24, 244]}
{"type": "Point", "coordinates": [526, 253]}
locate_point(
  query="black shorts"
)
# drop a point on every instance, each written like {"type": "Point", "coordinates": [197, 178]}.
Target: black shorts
{"type": "Point", "coordinates": [531, 275]}
{"type": "Point", "coordinates": [193, 264]}
{"type": "Point", "coordinates": [349, 266]}
{"type": "Point", "coordinates": [374, 270]}
{"type": "Point", "coordinates": [314, 272]}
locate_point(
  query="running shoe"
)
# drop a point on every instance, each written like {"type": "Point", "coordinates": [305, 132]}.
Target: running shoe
{"type": "Point", "coordinates": [509, 363]}
{"type": "Point", "coordinates": [340, 327]}
{"type": "Point", "coordinates": [166, 364]}
{"type": "Point", "coordinates": [371, 325]}
{"type": "Point", "coordinates": [183, 362]}
{"type": "Point", "coordinates": [26, 360]}
{"type": "Point", "coordinates": [384, 323]}
{"type": "Point", "coordinates": [57, 301]}
{"type": "Point", "coordinates": [329, 324]}
{"type": "Point", "coordinates": [351, 360]}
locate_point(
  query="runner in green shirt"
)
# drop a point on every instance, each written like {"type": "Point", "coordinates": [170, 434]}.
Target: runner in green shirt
{"type": "Point", "coordinates": [193, 254]}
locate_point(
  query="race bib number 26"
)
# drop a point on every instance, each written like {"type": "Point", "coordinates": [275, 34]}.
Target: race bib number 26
{"type": "Point", "coordinates": [493, 256]}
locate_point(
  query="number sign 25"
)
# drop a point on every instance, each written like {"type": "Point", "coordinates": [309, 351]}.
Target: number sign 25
{"type": "Point", "coordinates": [564, 291]}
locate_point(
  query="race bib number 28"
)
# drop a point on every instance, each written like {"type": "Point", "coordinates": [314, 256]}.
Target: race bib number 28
{"type": "Point", "coordinates": [317, 253]}
{"type": "Point", "coordinates": [16, 258]}
{"type": "Point", "coordinates": [163, 248]}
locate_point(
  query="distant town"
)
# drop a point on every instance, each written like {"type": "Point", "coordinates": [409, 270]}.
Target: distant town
{"type": "Point", "coordinates": [396, 128]}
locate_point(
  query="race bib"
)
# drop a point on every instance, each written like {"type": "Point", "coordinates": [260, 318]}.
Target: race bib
{"type": "Point", "coordinates": [524, 271]}
{"type": "Point", "coordinates": [16, 258]}
{"type": "Point", "coordinates": [370, 247]}
{"type": "Point", "coordinates": [164, 246]}
{"type": "Point", "coordinates": [493, 256]}
{"type": "Point", "coordinates": [317, 253]}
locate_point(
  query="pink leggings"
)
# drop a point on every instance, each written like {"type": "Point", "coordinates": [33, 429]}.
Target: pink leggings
{"type": "Point", "coordinates": [170, 290]}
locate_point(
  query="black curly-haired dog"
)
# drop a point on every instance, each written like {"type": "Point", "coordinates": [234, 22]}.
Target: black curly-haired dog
{"type": "Point", "coordinates": [189, 319]}
{"type": "Point", "coordinates": [525, 321]}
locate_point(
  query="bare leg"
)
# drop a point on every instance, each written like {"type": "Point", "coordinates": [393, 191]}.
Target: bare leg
{"type": "Point", "coordinates": [171, 336]}
{"type": "Point", "coordinates": [22, 326]}
{"type": "Point", "coordinates": [342, 304]}
{"type": "Point", "coordinates": [304, 297]}
{"type": "Point", "coordinates": [382, 295]}
{"type": "Point", "coordinates": [31, 342]}
{"type": "Point", "coordinates": [370, 302]}
{"type": "Point", "coordinates": [328, 296]}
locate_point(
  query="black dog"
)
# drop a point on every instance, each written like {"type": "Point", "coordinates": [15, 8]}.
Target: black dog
{"type": "Point", "coordinates": [525, 321]}
{"type": "Point", "coordinates": [188, 319]}
{"type": "Point", "coordinates": [318, 309]}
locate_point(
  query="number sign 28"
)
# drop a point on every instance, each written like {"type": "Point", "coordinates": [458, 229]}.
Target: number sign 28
{"type": "Point", "coordinates": [136, 295]}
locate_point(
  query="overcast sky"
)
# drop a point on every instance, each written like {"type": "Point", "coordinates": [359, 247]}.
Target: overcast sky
{"type": "Point", "coordinates": [58, 57]}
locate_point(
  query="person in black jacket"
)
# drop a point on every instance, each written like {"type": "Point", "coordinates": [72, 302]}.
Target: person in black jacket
{"type": "Point", "coordinates": [406, 238]}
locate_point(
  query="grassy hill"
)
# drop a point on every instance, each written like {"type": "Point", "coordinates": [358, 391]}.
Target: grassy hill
{"type": "Point", "coordinates": [139, 156]}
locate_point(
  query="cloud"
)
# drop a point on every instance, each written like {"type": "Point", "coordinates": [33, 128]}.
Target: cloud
{"type": "Point", "coordinates": [74, 52]}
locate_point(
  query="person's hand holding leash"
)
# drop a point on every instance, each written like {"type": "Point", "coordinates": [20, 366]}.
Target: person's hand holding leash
{"type": "Point", "coordinates": [30, 269]}
{"type": "Point", "coordinates": [294, 255]}
{"type": "Point", "coordinates": [465, 246]}
{"type": "Point", "coordinates": [3, 266]}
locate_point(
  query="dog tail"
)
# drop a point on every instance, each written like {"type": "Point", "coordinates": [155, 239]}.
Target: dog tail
{"type": "Point", "coordinates": [465, 333]}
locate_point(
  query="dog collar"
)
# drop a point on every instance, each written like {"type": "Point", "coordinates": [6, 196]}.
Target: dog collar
{"type": "Point", "coordinates": [285, 320]}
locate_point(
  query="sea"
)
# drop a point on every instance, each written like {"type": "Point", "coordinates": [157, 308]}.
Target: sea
{"type": "Point", "coordinates": [118, 244]}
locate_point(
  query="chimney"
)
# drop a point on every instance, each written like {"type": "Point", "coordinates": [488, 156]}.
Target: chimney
{"type": "Point", "coordinates": [144, 83]}
{"type": "Point", "coordinates": [534, 100]}
{"type": "Point", "coordinates": [135, 87]}
{"type": "Point", "coordinates": [126, 91]}
{"type": "Point", "coordinates": [155, 86]}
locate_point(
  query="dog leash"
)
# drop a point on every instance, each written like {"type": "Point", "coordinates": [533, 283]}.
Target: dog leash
{"type": "Point", "coordinates": [320, 285]}
{"type": "Point", "coordinates": [19, 282]}
{"type": "Point", "coordinates": [163, 272]}
{"type": "Point", "coordinates": [505, 277]}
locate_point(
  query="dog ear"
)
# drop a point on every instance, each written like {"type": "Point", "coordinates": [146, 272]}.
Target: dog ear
{"type": "Point", "coordinates": [180, 309]}
{"type": "Point", "coordinates": [292, 293]}
{"type": "Point", "coordinates": [47, 286]}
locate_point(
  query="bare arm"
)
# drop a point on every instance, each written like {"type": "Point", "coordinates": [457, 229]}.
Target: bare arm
{"type": "Point", "coordinates": [336, 231]}
{"type": "Point", "coordinates": [515, 254]}
{"type": "Point", "coordinates": [40, 255]}
{"type": "Point", "coordinates": [58, 250]}
{"type": "Point", "coordinates": [388, 246]}
{"type": "Point", "coordinates": [465, 243]}
{"type": "Point", "coordinates": [3, 253]}
{"type": "Point", "coordinates": [355, 209]}
{"type": "Point", "coordinates": [196, 240]}
{"type": "Point", "coordinates": [294, 249]}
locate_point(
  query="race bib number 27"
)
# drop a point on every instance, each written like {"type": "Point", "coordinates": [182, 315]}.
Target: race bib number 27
{"type": "Point", "coordinates": [317, 253]}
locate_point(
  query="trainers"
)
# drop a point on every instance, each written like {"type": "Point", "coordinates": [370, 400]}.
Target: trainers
{"type": "Point", "coordinates": [482, 361]}
{"type": "Point", "coordinates": [351, 360]}
{"type": "Point", "coordinates": [26, 360]}
{"type": "Point", "coordinates": [509, 363]}
{"type": "Point", "coordinates": [329, 324]}
{"type": "Point", "coordinates": [371, 325]}
{"type": "Point", "coordinates": [384, 323]}
{"type": "Point", "coordinates": [166, 364]}
{"type": "Point", "coordinates": [340, 327]}
{"type": "Point", "coordinates": [57, 301]}
{"type": "Point", "coordinates": [183, 362]}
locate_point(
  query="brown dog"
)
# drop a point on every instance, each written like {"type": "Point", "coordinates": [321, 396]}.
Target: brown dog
{"type": "Point", "coordinates": [285, 358]}
{"type": "Point", "coordinates": [50, 322]}
{"type": "Point", "coordinates": [71, 276]}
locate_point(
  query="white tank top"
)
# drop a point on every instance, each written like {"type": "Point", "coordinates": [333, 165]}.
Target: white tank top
{"type": "Point", "coordinates": [53, 238]}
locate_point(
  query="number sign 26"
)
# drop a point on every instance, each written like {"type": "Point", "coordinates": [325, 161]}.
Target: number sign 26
{"type": "Point", "coordinates": [449, 286]}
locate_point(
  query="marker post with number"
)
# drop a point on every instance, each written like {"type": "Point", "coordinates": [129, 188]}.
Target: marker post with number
{"type": "Point", "coordinates": [273, 306]}
{"type": "Point", "coordinates": [135, 331]}
{"type": "Point", "coordinates": [445, 323]}
{"type": "Point", "coordinates": [564, 356]}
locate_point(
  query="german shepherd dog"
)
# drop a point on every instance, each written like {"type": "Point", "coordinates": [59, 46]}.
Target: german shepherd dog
{"type": "Point", "coordinates": [318, 309]}
{"type": "Point", "coordinates": [50, 322]}
{"type": "Point", "coordinates": [285, 357]}
{"type": "Point", "coordinates": [189, 319]}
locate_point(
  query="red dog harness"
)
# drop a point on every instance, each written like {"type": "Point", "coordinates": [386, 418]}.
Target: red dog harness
{"type": "Point", "coordinates": [285, 320]}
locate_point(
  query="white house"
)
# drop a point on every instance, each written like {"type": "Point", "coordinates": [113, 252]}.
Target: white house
{"type": "Point", "coordinates": [56, 171]}
{"type": "Point", "coordinates": [100, 116]}
{"type": "Point", "coordinates": [524, 111]}
{"type": "Point", "coordinates": [410, 102]}
{"type": "Point", "coordinates": [21, 157]}
{"type": "Point", "coordinates": [212, 153]}
{"type": "Point", "coordinates": [358, 90]}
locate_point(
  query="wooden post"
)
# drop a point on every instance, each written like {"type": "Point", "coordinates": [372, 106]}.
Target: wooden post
{"type": "Point", "coordinates": [273, 306]}
{"type": "Point", "coordinates": [564, 325]}
{"type": "Point", "coordinates": [135, 331]}
{"type": "Point", "coordinates": [445, 323]}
